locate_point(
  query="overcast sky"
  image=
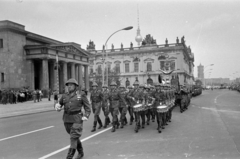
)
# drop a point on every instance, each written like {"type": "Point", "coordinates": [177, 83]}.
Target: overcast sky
{"type": "Point", "coordinates": [211, 28]}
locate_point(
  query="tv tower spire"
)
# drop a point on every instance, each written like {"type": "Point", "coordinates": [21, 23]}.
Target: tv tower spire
{"type": "Point", "coordinates": [138, 38]}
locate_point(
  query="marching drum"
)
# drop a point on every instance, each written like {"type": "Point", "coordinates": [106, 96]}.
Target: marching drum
{"type": "Point", "coordinates": [138, 108]}
{"type": "Point", "coordinates": [162, 109]}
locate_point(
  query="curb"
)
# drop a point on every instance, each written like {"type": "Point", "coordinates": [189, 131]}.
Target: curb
{"type": "Point", "coordinates": [26, 113]}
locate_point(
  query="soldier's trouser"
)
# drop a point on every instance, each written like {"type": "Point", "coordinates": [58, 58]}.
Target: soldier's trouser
{"type": "Point", "coordinates": [130, 110]}
{"type": "Point", "coordinates": [179, 102]}
{"type": "Point", "coordinates": [114, 111]}
{"type": "Point", "coordinates": [75, 132]}
{"type": "Point", "coordinates": [96, 108]}
{"type": "Point", "coordinates": [123, 112]}
{"type": "Point", "coordinates": [148, 114]}
{"type": "Point", "coordinates": [105, 109]}
{"type": "Point", "coordinates": [159, 117]}
{"type": "Point", "coordinates": [142, 115]}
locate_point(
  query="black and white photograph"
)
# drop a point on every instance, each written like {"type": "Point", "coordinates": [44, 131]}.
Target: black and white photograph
{"type": "Point", "coordinates": [119, 79]}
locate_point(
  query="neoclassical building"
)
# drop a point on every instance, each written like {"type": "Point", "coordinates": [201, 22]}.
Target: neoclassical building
{"type": "Point", "coordinates": [145, 62]}
{"type": "Point", "coordinates": [30, 60]}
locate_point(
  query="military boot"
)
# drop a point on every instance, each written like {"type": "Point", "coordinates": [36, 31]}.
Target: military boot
{"type": "Point", "coordinates": [100, 123]}
{"type": "Point", "coordinates": [94, 126]}
{"type": "Point", "coordinates": [80, 151]}
{"type": "Point", "coordinates": [108, 121]}
{"type": "Point", "coordinates": [105, 123]}
{"type": "Point", "coordinates": [113, 127]}
{"type": "Point", "coordinates": [71, 153]}
{"type": "Point", "coordinates": [122, 123]}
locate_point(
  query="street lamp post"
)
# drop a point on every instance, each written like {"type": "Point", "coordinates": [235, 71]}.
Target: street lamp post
{"type": "Point", "coordinates": [127, 28]}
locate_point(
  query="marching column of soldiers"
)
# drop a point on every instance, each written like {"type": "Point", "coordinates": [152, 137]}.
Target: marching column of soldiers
{"type": "Point", "coordinates": [143, 104]}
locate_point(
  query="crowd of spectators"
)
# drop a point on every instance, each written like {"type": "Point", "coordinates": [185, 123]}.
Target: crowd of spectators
{"type": "Point", "coordinates": [10, 96]}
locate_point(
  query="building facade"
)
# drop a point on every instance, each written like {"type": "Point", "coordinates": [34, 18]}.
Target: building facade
{"type": "Point", "coordinates": [145, 62]}
{"type": "Point", "coordinates": [36, 62]}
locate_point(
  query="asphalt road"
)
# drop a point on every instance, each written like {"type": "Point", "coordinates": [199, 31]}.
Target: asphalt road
{"type": "Point", "coordinates": [208, 129]}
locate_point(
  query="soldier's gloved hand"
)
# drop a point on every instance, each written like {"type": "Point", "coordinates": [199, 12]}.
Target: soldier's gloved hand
{"type": "Point", "coordinates": [58, 107]}
{"type": "Point", "coordinates": [84, 118]}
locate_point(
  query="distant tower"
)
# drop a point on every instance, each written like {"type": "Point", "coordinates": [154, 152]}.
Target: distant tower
{"type": "Point", "coordinates": [138, 37]}
{"type": "Point", "coordinates": [201, 71]}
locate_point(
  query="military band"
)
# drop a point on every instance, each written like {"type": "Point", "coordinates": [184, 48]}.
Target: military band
{"type": "Point", "coordinates": [144, 103]}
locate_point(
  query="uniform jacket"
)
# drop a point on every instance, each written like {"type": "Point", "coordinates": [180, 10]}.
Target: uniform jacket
{"type": "Point", "coordinates": [138, 96]}
{"type": "Point", "coordinates": [159, 97]}
{"type": "Point", "coordinates": [96, 96]}
{"type": "Point", "coordinates": [73, 104]}
{"type": "Point", "coordinates": [115, 97]}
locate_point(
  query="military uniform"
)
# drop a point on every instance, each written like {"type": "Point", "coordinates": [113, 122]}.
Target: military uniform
{"type": "Point", "coordinates": [138, 97]}
{"type": "Point", "coordinates": [96, 99]}
{"type": "Point", "coordinates": [159, 100]}
{"type": "Point", "coordinates": [114, 98]}
{"type": "Point", "coordinates": [149, 102]}
{"type": "Point", "coordinates": [105, 105]}
{"type": "Point", "coordinates": [130, 104]}
{"type": "Point", "coordinates": [72, 117]}
{"type": "Point", "coordinates": [123, 106]}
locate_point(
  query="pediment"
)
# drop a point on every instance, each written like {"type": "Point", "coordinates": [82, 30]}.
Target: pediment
{"type": "Point", "coordinates": [126, 61]}
{"type": "Point", "coordinates": [71, 48]}
{"type": "Point", "coordinates": [117, 61]}
{"type": "Point", "coordinates": [149, 59]}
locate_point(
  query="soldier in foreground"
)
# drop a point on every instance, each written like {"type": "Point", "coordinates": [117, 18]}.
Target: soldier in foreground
{"type": "Point", "coordinates": [73, 117]}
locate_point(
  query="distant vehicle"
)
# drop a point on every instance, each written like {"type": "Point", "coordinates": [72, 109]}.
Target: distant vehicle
{"type": "Point", "coordinates": [197, 90]}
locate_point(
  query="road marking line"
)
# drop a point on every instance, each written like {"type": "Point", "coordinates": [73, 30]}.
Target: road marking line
{"type": "Point", "coordinates": [213, 109]}
{"type": "Point", "coordinates": [62, 149]}
{"type": "Point", "coordinates": [25, 133]}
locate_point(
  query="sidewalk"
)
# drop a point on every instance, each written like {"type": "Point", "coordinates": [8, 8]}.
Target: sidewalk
{"type": "Point", "coordinates": [28, 107]}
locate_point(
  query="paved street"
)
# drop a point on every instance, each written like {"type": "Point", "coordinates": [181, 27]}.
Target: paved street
{"type": "Point", "coordinates": [208, 129]}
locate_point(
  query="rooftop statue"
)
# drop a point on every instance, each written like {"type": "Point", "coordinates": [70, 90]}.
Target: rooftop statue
{"type": "Point", "coordinates": [91, 45]}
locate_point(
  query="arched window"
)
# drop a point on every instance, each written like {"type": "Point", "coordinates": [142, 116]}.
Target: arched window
{"type": "Point", "coordinates": [149, 66]}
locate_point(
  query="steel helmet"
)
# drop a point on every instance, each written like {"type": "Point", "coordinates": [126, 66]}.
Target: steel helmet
{"type": "Point", "coordinates": [136, 83]}
{"type": "Point", "coordinates": [94, 84]}
{"type": "Point", "coordinates": [72, 80]}
{"type": "Point", "coordinates": [121, 86]}
{"type": "Point", "coordinates": [113, 84]}
{"type": "Point", "coordinates": [104, 86]}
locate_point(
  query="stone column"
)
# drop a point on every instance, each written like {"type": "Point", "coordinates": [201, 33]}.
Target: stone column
{"type": "Point", "coordinates": [65, 74]}
{"type": "Point", "coordinates": [86, 77]}
{"type": "Point", "coordinates": [45, 77]}
{"type": "Point", "coordinates": [80, 76]}
{"type": "Point", "coordinates": [73, 70]}
{"type": "Point", "coordinates": [51, 75]}
{"type": "Point", "coordinates": [76, 72]}
{"type": "Point", "coordinates": [32, 75]}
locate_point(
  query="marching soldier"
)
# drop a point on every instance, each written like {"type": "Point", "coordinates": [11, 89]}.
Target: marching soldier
{"type": "Point", "coordinates": [159, 100]}
{"type": "Point", "coordinates": [105, 105]}
{"type": "Point", "coordinates": [152, 90]}
{"type": "Point", "coordinates": [138, 97]}
{"type": "Point", "coordinates": [123, 106]}
{"type": "Point", "coordinates": [130, 105]}
{"type": "Point", "coordinates": [96, 99]}
{"type": "Point", "coordinates": [179, 97]}
{"type": "Point", "coordinates": [114, 98]}
{"type": "Point", "coordinates": [73, 117]}
{"type": "Point", "coordinates": [149, 102]}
